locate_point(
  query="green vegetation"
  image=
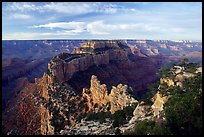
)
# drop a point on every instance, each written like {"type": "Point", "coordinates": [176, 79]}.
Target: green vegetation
{"type": "Point", "coordinates": [117, 132]}
{"type": "Point", "coordinates": [119, 117]}
{"type": "Point", "coordinates": [163, 72]}
{"type": "Point", "coordinates": [147, 127]}
{"type": "Point", "coordinates": [65, 56]}
{"type": "Point", "coordinates": [183, 111]}
{"type": "Point", "coordinates": [191, 67]}
{"type": "Point", "coordinates": [152, 90]}
{"type": "Point", "coordinates": [183, 62]}
{"type": "Point", "coordinates": [100, 116]}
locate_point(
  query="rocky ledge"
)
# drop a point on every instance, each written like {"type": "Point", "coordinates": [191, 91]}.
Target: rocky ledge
{"type": "Point", "coordinates": [62, 67]}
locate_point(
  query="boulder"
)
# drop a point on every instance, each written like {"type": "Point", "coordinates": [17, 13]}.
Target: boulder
{"type": "Point", "coordinates": [159, 102]}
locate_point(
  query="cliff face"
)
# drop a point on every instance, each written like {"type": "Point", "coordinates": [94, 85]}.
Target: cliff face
{"type": "Point", "coordinates": [98, 96]}
{"type": "Point", "coordinates": [27, 114]}
{"type": "Point", "coordinates": [61, 68]}
{"type": "Point", "coordinates": [43, 109]}
{"type": "Point", "coordinates": [55, 104]}
{"type": "Point", "coordinates": [113, 61]}
{"type": "Point", "coordinates": [15, 71]}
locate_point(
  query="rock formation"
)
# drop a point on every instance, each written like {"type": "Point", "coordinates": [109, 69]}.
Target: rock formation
{"type": "Point", "coordinates": [55, 104]}
{"type": "Point", "coordinates": [179, 76]}
{"type": "Point", "coordinates": [159, 102]}
{"type": "Point", "coordinates": [62, 67]}
{"type": "Point", "coordinates": [117, 99]}
{"type": "Point", "coordinates": [141, 112]}
{"type": "Point", "coordinates": [155, 111]}
{"type": "Point", "coordinates": [90, 128]}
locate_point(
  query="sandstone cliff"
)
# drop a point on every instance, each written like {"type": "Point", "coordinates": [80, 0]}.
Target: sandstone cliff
{"type": "Point", "coordinates": [62, 67]}
{"type": "Point", "coordinates": [55, 104]}
{"type": "Point", "coordinates": [98, 96]}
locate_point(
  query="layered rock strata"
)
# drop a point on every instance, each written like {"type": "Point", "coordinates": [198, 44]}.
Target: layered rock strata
{"type": "Point", "coordinates": [62, 67]}
{"type": "Point", "coordinates": [56, 105]}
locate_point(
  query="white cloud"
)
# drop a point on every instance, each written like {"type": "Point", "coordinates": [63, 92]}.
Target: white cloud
{"type": "Point", "coordinates": [65, 25]}
{"type": "Point", "coordinates": [69, 8]}
{"type": "Point", "coordinates": [99, 27]}
{"type": "Point", "coordinates": [38, 35]}
{"type": "Point", "coordinates": [118, 20]}
{"type": "Point", "coordinates": [22, 6]}
{"type": "Point", "coordinates": [73, 8]}
{"type": "Point", "coordinates": [19, 16]}
{"type": "Point", "coordinates": [70, 27]}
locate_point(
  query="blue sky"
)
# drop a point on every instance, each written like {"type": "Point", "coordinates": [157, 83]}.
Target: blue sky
{"type": "Point", "coordinates": [102, 20]}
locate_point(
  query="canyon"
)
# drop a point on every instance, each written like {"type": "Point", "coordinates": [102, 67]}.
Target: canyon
{"type": "Point", "coordinates": [99, 76]}
{"type": "Point", "coordinates": [56, 103]}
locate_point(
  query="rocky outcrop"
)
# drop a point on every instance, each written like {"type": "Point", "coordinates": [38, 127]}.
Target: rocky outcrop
{"type": "Point", "coordinates": [16, 73]}
{"type": "Point", "coordinates": [155, 111]}
{"type": "Point", "coordinates": [141, 112]}
{"type": "Point", "coordinates": [98, 95]}
{"type": "Point", "coordinates": [167, 80]}
{"type": "Point", "coordinates": [179, 76]}
{"type": "Point", "coordinates": [56, 105]}
{"type": "Point", "coordinates": [159, 102]}
{"type": "Point", "coordinates": [62, 67]}
{"type": "Point", "coordinates": [26, 114]}
{"type": "Point", "coordinates": [46, 128]}
{"type": "Point", "coordinates": [138, 74]}
{"type": "Point", "coordinates": [90, 128]}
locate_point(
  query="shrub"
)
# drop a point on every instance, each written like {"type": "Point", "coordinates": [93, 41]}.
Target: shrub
{"type": "Point", "coordinates": [191, 67]}
{"type": "Point", "coordinates": [183, 110]}
{"type": "Point", "coordinates": [100, 116]}
{"type": "Point", "coordinates": [119, 117]}
{"type": "Point", "coordinates": [117, 132]}
{"type": "Point", "coordinates": [149, 128]}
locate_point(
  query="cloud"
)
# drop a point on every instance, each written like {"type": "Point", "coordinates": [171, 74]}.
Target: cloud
{"type": "Point", "coordinates": [72, 8]}
{"type": "Point", "coordinates": [99, 27]}
{"type": "Point", "coordinates": [38, 35]}
{"type": "Point", "coordinates": [70, 27]}
{"type": "Point", "coordinates": [22, 6]}
{"type": "Point", "coordinates": [65, 25]}
{"type": "Point", "coordinates": [69, 8]}
{"type": "Point", "coordinates": [105, 20]}
{"type": "Point", "coordinates": [19, 16]}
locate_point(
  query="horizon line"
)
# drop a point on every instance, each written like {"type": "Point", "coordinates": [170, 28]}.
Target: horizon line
{"type": "Point", "coordinates": [107, 39]}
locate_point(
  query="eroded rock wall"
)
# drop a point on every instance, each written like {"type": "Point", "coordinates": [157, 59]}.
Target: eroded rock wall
{"type": "Point", "coordinates": [61, 70]}
{"type": "Point", "coordinates": [98, 96]}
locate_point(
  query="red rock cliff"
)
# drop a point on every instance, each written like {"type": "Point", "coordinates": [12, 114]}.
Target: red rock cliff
{"type": "Point", "coordinates": [62, 67]}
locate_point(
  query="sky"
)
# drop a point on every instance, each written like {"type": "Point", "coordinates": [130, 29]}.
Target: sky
{"type": "Point", "coordinates": [102, 20]}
